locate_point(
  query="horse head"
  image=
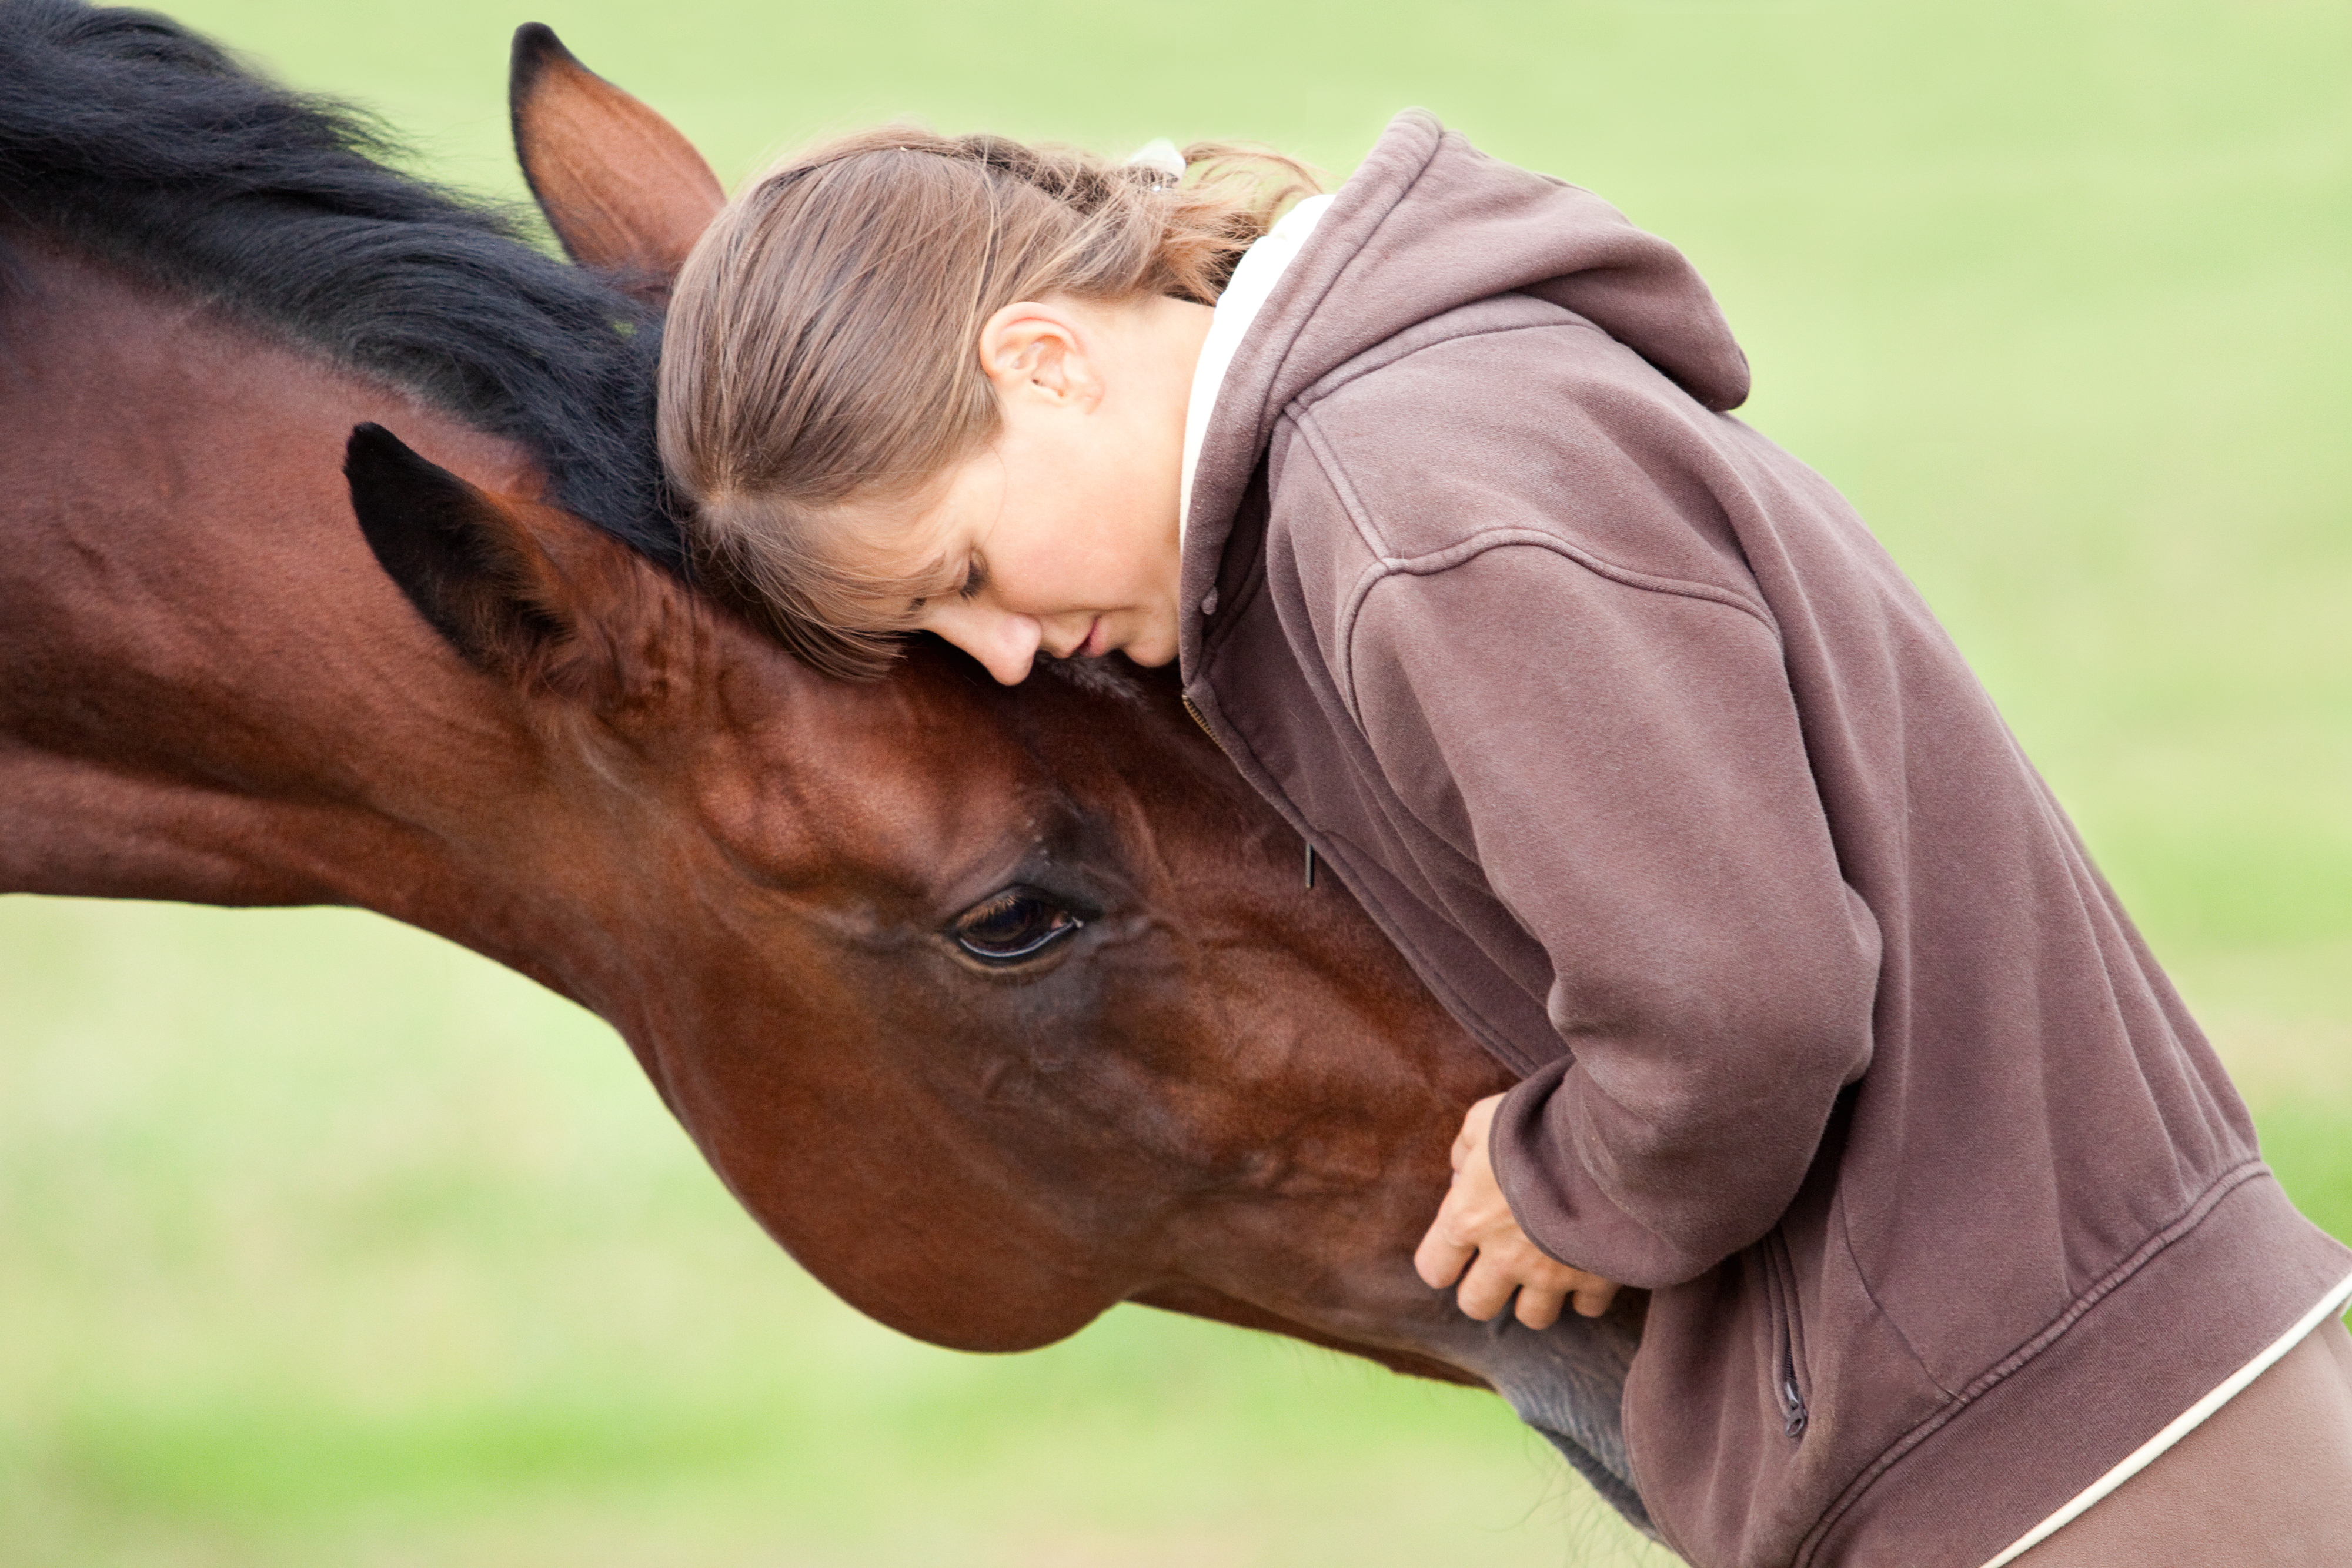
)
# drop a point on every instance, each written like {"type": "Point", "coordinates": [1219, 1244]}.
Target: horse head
{"type": "Point", "coordinates": [994, 1007]}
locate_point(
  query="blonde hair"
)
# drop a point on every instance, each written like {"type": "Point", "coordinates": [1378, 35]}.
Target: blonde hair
{"type": "Point", "coordinates": [822, 344]}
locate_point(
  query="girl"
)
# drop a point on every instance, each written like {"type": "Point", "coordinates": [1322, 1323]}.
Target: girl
{"type": "Point", "coordinates": [1624, 729]}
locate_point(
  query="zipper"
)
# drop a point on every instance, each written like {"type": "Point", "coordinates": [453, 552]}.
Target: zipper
{"type": "Point", "coordinates": [1228, 756]}
{"type": "Point", "coordinates": [1205, 729]}
{"type": "Point", "coordinates": [1787, 1334]}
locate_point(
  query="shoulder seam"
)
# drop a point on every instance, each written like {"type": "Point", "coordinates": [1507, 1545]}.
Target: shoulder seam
{"type": "Point", "coordinates": [1385, 564]}
{"type": "Point", "coordinates": [1356, 369]}
{"type": "Point", "coordinates": [1479, 543]}
{"type": "Point", "coordinates": [1326, 462]}
{"type": "Point", "coordinates": [1388, 569]}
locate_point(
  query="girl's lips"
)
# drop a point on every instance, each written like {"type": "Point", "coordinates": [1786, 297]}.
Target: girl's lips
{"type": "Point", "coordinates": [1091, 648]}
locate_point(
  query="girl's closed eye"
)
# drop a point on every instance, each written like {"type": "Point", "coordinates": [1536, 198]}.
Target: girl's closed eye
{"type": "Point", "coordinates": [975, 578]}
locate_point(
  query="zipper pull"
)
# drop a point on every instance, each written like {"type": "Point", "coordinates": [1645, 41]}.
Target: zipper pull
{"type": "Point", "coordinates": [1310, 868]}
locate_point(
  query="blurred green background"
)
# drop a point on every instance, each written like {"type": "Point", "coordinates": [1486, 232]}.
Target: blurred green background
{"type": "Point", "coordinates": [323, 1243]}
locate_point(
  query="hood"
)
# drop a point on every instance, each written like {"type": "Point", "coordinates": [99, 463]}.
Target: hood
{"type": "Point", "coordinates": [1428, 224]}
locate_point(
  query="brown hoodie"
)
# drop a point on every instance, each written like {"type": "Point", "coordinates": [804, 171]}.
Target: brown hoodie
{"type": "Point", "coordinates": [1625, 729]}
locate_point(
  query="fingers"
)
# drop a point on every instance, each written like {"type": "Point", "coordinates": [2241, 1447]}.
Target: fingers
{"type": "Point", "coordinates": [1440, 1262]}
{"type": "Point", "coordinates": [1470, 1142]}
{"type": "Point", "coordinates": [1444, 1251]}
{"type": "Point", "coordinates": [1479, 1120]}
{"type": "Point", "coordinates": [1593, 1295]}
{"type": "Point", "coordinates": [1483, 1289]}
{"type": "Point", "coordinates": [1538, 1309]}
{"type": "Point", "coordinates": [1473, 1212]}
{"type": "Point", "coordinates": [1539, 1306]}
{"type": "Point", "coordinates": [1477, 1245]}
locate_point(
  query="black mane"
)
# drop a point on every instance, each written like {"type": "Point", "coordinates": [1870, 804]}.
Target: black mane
{"type": "Point", "coordinates": [129, 136]}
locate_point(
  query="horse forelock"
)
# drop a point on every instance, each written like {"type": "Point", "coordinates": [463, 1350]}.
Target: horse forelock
{"type": "Point", "coordinates": [126, 134]}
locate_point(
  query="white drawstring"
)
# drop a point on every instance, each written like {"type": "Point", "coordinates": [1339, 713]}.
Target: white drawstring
{"type": "Point", "coordinates": [2187, 1421]}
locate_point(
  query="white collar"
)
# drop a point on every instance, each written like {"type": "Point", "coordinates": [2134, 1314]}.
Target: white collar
{"type": "Point", "coordinates": [1255, 276]}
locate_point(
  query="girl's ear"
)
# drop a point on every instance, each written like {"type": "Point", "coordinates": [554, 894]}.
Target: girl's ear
{"type": "Point", "coordinates": [1036, 353]}
{"type": "Point", "coordinates": [623, 191]}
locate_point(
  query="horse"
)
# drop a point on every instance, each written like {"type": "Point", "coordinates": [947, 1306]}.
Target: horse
{"type": "Point", "coordinates": [338, 572]}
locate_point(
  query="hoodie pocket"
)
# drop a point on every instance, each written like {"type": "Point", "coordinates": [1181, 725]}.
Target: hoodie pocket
{"type": "Point", "coordinates": [1788, 1332]}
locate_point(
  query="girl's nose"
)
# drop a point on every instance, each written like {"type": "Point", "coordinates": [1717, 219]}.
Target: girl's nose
{"type": "Point", "coordinates": [1005, 643]}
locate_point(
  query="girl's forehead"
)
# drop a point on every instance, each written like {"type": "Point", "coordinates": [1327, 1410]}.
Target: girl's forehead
{"type": "Point", "coordinates": [882, 555]}
{"type": "Point", "coordinates": [885, 567]}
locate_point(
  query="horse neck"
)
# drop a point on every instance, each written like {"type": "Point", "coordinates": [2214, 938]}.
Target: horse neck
{"type": "Point", "coordinates": [209, 691]}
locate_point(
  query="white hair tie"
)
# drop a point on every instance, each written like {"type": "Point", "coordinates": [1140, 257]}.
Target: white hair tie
{"type": "Point", "coordinates": [1161, 157]}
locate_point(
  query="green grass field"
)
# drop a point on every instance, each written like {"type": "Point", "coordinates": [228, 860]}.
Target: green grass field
{"type": "Point", "coordinates": [323, 1243]}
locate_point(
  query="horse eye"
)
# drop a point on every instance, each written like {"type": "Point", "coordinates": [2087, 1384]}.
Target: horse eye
{"type": "Point", "coordinates": [1017, 923]}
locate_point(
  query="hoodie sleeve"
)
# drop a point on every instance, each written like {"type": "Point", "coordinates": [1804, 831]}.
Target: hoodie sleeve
{"type": "Point", "coordinates": [1622, 760]}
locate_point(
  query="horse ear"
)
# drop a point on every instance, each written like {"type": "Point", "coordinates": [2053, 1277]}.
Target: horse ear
{"type": "Point", "coordinates": [623, 191]}
{"type": "Point", "coordinates": [462, 557]}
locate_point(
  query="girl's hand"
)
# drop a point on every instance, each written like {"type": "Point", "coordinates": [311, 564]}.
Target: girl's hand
{"type": "Point", "coordinates": [1474, 1228]}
